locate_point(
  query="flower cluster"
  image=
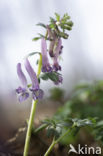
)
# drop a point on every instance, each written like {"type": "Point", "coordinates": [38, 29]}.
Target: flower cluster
{"type": "Point", "coordinates": [24, 91]}
{"type": "Point", "coordinates": [54, 52]}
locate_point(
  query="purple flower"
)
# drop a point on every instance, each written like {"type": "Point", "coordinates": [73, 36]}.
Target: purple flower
{"type": "Point", "coordinates": [37, 93]}
{"type": "Point", "coordinates": [45, 62]}
{"type": "Point", "coordinates": [22, 91]}
{"type": "Point", "coordinates": [57, 52]}
{"type": "Point", "coordinates": [56, 65]}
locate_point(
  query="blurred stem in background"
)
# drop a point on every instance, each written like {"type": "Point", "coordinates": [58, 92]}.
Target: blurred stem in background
{"type": "Point", "coordinates": [54, 142]}
{"type": "Point", "coordinates": [31, 118]}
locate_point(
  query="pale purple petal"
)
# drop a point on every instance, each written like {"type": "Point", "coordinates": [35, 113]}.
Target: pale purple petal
{"type": "Point", "coordinates": [23, 96]}
{"type": "Point", "coordinates": [37, 93]}
{"type": "Point", "coordinates": [56, 65]}
{"type": "Point", "coordinates": [21, 75]}
{"type": "Point", "coordinates": [20, 90]}
{"type": "Point", "coordinates": [58, 48]}
{"type": "Point", "coordinates": [45, 62]}
{"type": "Point", "coordinates": [57, 52]}
{"type": "Point", "coordinates": [32, 74]}
{"type": "Point", "coordinates": [44, 51]}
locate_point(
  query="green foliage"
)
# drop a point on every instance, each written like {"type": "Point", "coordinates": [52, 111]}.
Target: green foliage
{"type": "Point", "coordinates": [98, 131]}
{"type": "Point", "coordinates": [58, 25]}
{"type": "Point", "coordinates": [77, 113]}
{"type": "Point", "coordinates": [84, 109]}
{"type": "Point", "coordinates": [57, 17]}
{"type": "Point", "coordinates": [89, 98]}
{"type": "Point", "coordinates": [42, 25]}
{"type": "Point", "coordinates": [36, 38]}
{"type": "Point", "coordinates": [53, 76]}
{"type": "Point", "coordinates": [86, 101]}
{"type": "Point", "coordinates": [56, 94]}
{"type": "Point", "coordinates": [56, 127]}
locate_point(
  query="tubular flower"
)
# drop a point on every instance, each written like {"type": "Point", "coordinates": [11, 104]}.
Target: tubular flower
{"type": "Point", "coordinates": [37, 93]}
{"type": "Point", "coordinates": [45, 62]}
{"type": "Point", "coordinates": [22, 91]}
{"type": "Point", "coordinates": [57, 52]}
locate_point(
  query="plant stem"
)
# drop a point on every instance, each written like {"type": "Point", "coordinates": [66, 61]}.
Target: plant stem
{"type": "Point", "coordinates": [50, 147]}
{"type": "Point", "coordinates": [39, 66]}
{"type": "Point", "coordinates": [56, 141]}
{"type": "Point", "coordinates": [40, 128]}
{"type": "Point", "coordinates": [32, 113]}
{"type": "Point", "coordinates": [30, 124]}
{"type": "Point", "coordinates": [68, 131]}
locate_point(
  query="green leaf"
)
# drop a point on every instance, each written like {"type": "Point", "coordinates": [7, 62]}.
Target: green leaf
{"type": "Point", "coordinates": [41, 36]}
{"type": "Point", "coordinates": [53, 128]}
{"type": "Point", "coordinates": [53, 76]}
{"type": "Point", "coordinates": [67, 27]}
{"type": "Point", "coordinates": [56, 94]}
{"type": "Point", "coordinates": [98, 131]}
{"type": "Point", "coordinates": [44, 76]}
{"type": "Point", "coordinates": [29, 85]}
{"type": "Point", "coordinates": [52, 26]}
{"type": "Point", "coordinates": [52, 20]}
{"type": "Point", "coordinates": [41, 24]}
{"type": "Point", "coordinates": [66, 17]}
{"type": "Point", "coordinates": [83, 122]}
{"type": "Point", "coordinates": [70, 23]}
{"type": "Point", "coordinates": [57, 17]}
{"type": "Point", "coordinates": [40, 128]}
{"type": "Point", "coordinates": [63, 35]}
{"type": "Point", "coordinates": [36, 38]}
{"type": "Point", "coordinates": [33, 53]}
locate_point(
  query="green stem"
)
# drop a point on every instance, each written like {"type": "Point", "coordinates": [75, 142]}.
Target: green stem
{"type": "Point", "coordinates": [68, 131]}
{"type": "Point", "coordinates": [40, 128]}
{"type": "Point", "coordinates": [31, 119]}
{"type": "Point", "coordinates": [56, 141]}
{"type": "Point", "coordinates": [30, 124]}
{"type": "Point", "coordinates": [50, 148]}
{"type": "Point", "coordinates": [39, 66]}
